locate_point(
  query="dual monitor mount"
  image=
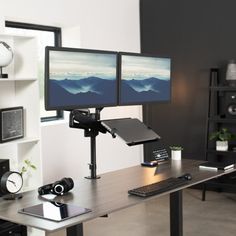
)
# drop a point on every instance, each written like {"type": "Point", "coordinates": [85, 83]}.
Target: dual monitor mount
{"type": "Point", "coordinates": [132, 131]}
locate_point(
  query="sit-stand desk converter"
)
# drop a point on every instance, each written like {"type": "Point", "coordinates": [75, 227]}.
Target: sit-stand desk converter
{"type": "Point", "coordinates": [109, 194]}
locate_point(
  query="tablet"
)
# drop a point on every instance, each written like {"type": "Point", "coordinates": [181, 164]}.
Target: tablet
{"type": "Point", "coordinates": [54, 211]}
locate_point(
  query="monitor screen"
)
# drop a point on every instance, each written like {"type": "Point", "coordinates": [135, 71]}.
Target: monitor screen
{"type": "Point", "coordinates": [80, 78]}
{"type": "Point", "coordinates": [144, 79]}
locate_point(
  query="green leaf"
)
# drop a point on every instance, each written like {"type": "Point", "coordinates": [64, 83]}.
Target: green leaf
{"type": "Point", "coordinates": [27, 162]}
{"type": "Point", "coordinates": [33, 167]}
{"type": "Point", "coordinates": [222, 135]}
{"type": "Point", "coordinates": [23, 169]}
{"type": "Point", "coordinates": [27, 166]}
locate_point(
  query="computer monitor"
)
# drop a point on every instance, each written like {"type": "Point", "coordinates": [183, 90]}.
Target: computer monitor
{"type": "Point", "coordinates": [144, 79]}
{"type": "Point", "coordinates": [80, 78]}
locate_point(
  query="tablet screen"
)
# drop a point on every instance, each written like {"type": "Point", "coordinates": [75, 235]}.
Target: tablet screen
{"type": "Point", "coordinates": [54, 211]}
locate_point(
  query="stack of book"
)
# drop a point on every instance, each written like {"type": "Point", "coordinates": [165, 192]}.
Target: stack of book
{"type": "Point", "coordinates": [216, 166]}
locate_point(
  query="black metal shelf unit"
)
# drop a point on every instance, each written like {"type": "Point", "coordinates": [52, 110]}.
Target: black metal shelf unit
{"type": "Point", "coordinates": [225, 153]}
{"type": "Point", "coordinates": [221, 97]}
{"type": "Point", "coordinates": [222, 120]}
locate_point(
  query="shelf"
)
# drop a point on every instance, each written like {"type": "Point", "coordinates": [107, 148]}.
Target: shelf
{"type": "Point", "coordinates": [17, 35]}
{"type": "Point", "coordinates": [21, 141]}
{"type": "Point", "coordinates": [222, 120]}
{"type": "Point", "coordinates": [223, 88]}
{"type": "Point", "coordinates": [218, 184]}
{"type": "Point", "coordinates": [219, 91]}
{"type": "Point", "coordinates": [21, 88]}
{"type": "Point", "coordinates": [226, 181]}
{"type": "Point", "coordinates": [17, 79]}
{"type": "Point", "coordinates": [221, 152]}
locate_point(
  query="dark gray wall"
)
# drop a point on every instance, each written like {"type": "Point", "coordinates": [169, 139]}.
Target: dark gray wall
{"type": "Point", "coordinates": [196, 35]}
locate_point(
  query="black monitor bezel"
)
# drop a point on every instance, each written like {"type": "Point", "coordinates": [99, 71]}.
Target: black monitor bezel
{"type": "Point", "coordinates": [120, 79]}
{"type": "Point", "coordinates": [72, 107]}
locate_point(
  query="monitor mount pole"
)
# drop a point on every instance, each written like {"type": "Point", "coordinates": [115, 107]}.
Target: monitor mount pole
{"type": "Point", "coordinates": [90, 122]}
{"type": "Point", "coordinates": [93, 163]}
{"type": "Point", "coordinates": [93, 133]}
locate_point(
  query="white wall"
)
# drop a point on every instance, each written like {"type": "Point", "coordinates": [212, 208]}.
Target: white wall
{"type": "Point", "coordinates": [100, 24]}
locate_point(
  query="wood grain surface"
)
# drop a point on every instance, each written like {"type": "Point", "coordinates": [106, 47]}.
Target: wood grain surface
{"type": "Point", "coordinates": [106, 195]}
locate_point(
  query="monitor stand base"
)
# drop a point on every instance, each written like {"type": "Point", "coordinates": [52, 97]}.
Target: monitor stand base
{"type": "Point", "coordinates": [90, 177]}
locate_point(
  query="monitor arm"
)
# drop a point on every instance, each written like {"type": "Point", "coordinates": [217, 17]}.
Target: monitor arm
{"type": "Point", "coordinates": [90, 123]}
{"type": "Point", "coordinates": [83, 119]}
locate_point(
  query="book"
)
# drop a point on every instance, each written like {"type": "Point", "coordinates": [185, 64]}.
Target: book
{"type": "Point", "coordinates": [216, 165]}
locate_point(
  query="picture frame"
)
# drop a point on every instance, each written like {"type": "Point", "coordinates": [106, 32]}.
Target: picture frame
{"type": "Point", "coordinates": [11, 124]}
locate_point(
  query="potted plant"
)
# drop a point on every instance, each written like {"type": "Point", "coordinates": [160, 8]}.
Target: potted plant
{"type": "Point", "coordinates": [26, 169]}
{"type": "Point", "coordinates": [27, 166]}
{"type": "Point", "coordinates": [176, 152]}
{"type": "Point", "coordinates": [222, 137]}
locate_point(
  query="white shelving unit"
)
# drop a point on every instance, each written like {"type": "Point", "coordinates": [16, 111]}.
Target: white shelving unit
{"type": "Point", "coordinates": [21, 88]}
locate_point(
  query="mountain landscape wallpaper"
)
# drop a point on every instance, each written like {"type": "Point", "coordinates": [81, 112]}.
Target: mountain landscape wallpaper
{"type": "Point", "coordinates": [82, 79]}
{"type": "Point", "coordinates": [144, 79]}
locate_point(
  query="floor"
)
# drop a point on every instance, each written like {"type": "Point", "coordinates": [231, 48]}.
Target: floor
{"type": "Point", "coordinates": [214, 217]}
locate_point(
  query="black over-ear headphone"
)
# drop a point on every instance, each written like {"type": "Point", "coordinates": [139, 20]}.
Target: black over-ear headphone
{"type": "Point", "coordinates": [58, 188]}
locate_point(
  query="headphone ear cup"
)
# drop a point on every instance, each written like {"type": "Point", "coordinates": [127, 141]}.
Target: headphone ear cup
{"type": "Point", "coordinates": [45, 189]}
{"type": "Point", "coordinates": [58, 188]}
{"type": "Point", "coordinates": [68, 183]}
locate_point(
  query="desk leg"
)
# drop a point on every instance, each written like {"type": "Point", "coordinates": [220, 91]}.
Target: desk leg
{"type": "Point", "coordinates": [76, 230]}
{"type": "Point", "coordinates": [203, 192]}
{"type": "Point", "coordinates": [176, 214]}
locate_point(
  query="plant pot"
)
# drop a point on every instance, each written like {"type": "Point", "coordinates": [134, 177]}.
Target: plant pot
{"type": "Point", "coordinates": [231, 73]}
{"type": "Point", "coordinates": [176, 154]}
{"type": "Point", "coordinates": [221, 145]}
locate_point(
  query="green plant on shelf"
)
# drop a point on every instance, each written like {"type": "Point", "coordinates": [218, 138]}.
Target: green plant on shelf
{"type": "Point", "coordinates": [27, 166]}
{"type": "Point", "coordinates": [222, 135]}
{"type": "Point", "coordinates": [176, 148]}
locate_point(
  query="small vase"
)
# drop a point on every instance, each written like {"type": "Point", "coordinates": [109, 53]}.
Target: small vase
{"type": "Point", "coordinates": [231, 73]}
{"type": "Point", "coordinates": [26, 181]}
{"type": "Point", "coordinates": [176, 154]}
{"type": "Point", "coordinates": [221, 145]}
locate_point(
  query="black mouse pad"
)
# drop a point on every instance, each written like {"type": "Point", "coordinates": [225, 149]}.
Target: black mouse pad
{"type": "Point", "coordinates": [54, 211]}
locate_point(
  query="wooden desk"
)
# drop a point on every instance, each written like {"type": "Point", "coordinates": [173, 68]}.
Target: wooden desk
{"type": "Point", "coordinates": [109, 194]}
